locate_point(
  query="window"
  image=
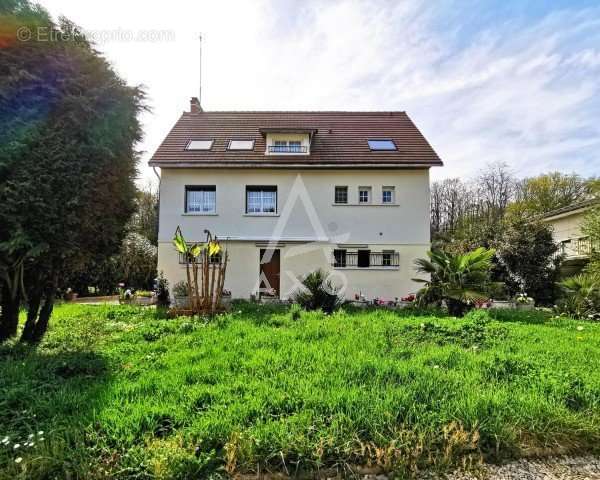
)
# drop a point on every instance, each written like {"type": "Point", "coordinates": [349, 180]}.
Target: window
{"type": "Point", "coordinates": [261, 199]}
{"type": "Point", "coordinates": [381, 144]}
{"type": "Point", "coordinates": [339, 258]}
{"type": "Point", "coordinates": [364, 194]}
{"type": "Point", "coordinates": [199, 145]}
{"type": "Point", "coordinates": [387, 195]}
{"type": "Point", "coordinates": [364, 257]}
{"type": "Point", "coordinates": [287, 146]}
{"type": "Point", "coordinates": [201, 199]}
{"type": "Point", "coordinates": [295, 146]}
{"type": "Point", "coordinates": [241, 145]}
{"type": "Point", "coordinates": [341, 195]}
{"type": "Point", "coordinates": [386, 258]}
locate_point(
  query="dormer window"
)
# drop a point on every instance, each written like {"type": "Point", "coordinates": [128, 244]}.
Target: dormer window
{"type": "Point", "coordinates": [241, 145]}
{"type": "Point", "coordinates": [199, 144]}
{"type": "Point", "coordinates": [378, 145]}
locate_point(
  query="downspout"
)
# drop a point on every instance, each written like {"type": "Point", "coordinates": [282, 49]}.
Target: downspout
{"type": "Point", "coordinates": [158, 208]}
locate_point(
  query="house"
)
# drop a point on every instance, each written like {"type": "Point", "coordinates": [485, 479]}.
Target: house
{"type": "Point", "coordinates": [566, 225]}
{"type": "Point", "coordinates": [291, 192]}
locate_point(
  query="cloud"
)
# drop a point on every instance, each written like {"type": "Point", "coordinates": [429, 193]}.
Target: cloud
{"type": "Point", "coordinates": [483, 83]}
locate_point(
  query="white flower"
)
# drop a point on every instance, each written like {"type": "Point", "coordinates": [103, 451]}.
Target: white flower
{"type": "Point", "coordinates": [18, 459]}
{"type": "Point", "coordinates": [41, 432]}
{"type": "Point", "coordinates": [30, 435]}
{"type": "Point", "coordinates": [579, 328]}
{"type": "Point", "coordinates": [436, 366]}
{"type": "Point", "coordinates": [5, 440]}
{"type": "Point", "coordinates": [17, 445]}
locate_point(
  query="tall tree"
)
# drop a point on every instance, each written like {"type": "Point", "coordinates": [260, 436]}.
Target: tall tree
{"type": "Point", "coordinates": [68, 127]}
{"type": "Point", "coordinates": [591, 227]}
{"type": "Point", "coordinates": [548, 192]}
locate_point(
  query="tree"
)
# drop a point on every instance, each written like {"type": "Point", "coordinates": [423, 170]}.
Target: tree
{"type": "Point", "coordinates": [591, 227]}
{"type": "Point", "coordinates": [528, 259]}
{"type": "Point", "coordinates": [548, 192]}
{"type": "Point", "coordinates": [144, 221]}
{"type": "Point", "coordinates": [459, 280]}
{"type": "Point", "coordinates": [67, 164]}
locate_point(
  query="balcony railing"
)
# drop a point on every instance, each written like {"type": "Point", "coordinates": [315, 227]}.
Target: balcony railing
{"type": "Point", "coordinates": [363, 260]}
{"type": "Point", "coordinates": [288, 149]}
{"type": "Point", "coordinates": [577, 247]}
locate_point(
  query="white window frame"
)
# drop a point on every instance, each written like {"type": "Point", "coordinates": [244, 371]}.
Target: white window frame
{"type": "Point", "coordinates": [369, 192]}
{"type": "Point", "coordinates": [262, 199]}
{"type": "Point", "coordinates": [392, 191]}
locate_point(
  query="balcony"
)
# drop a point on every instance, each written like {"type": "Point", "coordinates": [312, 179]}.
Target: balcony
{"type": "Point", "coordinates": [342, 259]}
{"type": "Point", "coordinates": [288, 149]}
{"type": "Point", "coordinates": [577, 248]}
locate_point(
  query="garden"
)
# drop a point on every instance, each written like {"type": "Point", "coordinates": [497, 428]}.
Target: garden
{"type": "Point", "coordinates": [120, 391]}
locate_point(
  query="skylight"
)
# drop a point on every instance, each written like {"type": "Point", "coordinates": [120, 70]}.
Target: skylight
{"type": "Point", "coordinates": [241, 145]}
{"type": "Point", "coordinates": [382, 145]}
{"type": "Point", "coordinates": [199, 145]}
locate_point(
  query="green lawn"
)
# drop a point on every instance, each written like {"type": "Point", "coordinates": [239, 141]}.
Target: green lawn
{"type": "Point", "coordinates": [119, 392]}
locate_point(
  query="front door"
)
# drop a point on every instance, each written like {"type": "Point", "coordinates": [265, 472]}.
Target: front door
{"type": "Point", "coordinates": [269, 270]}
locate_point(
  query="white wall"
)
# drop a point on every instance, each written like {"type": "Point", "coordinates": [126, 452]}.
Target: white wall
{"type": "Point", "coordinates": [407, 222]}
{"type": "Point", "coordinates": [308, 225]}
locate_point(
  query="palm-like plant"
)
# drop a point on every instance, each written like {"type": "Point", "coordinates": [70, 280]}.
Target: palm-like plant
{"type": "Point", "coordinates": [460, 280]}
{"type": "Point", "coordinates": [582, 296]}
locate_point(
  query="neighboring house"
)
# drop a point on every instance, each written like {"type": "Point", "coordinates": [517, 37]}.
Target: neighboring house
{"type": "Point", "coordinates": [566, 230]}
{"type": "Point", "coordinates": [291, 192]}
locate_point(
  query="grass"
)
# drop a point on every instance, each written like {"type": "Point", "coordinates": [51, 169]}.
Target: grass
{"type": "Point", "coordinates": [120, 393]}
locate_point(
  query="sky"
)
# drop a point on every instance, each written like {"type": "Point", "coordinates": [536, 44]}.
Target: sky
{"type": "Point", "coordinates": [485, 81]}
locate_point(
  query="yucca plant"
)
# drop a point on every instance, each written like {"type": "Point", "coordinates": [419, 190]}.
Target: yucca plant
{"type": "Point", "coordinates": [460, 280]}
{"type": "Point", "coordinates": [319, 292]}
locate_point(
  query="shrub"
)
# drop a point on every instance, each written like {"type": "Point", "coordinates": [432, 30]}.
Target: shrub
{"type": "Point", "coordinates": [581, 297]}
{"type": "Point", "coordinates": [180, 289]}
{"type": "Point", "coordinates": [318, 293]}
{"type": "Point", "coordinates": [162, 291]}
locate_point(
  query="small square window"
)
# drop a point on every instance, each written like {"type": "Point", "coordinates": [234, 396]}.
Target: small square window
{"type": "Point", "coordinates": [199, 145]}
{"type": "Point", "coordinates": [241, 145]}
{"type": "Point", "coordinates": [341, 194]}
{"type": "Point", "coordinates": [364, 194]}
{"type": "Point", "coordinates": [387, 195]}
{"type": "Point", "coordinates": [201, 199]}
{"type": "Point", "coordinates": [381, 144]}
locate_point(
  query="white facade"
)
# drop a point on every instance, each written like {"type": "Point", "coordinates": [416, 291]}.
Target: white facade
{"type": "Point", "coordinates": [306, 227]}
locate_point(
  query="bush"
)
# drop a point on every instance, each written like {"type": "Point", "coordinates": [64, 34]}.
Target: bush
{"type": "Point", "coordinates": [318, 293]}
{"type": "Point", "coordinates": [581, 297]}
{"type": "Point", "coordinates": [180, 289]}
{"type": "Point", "coordinates": [162, 291]}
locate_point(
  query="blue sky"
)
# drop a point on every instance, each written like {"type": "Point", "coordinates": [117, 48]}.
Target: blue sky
{"type": "Point", "coordinates": [513, 81]}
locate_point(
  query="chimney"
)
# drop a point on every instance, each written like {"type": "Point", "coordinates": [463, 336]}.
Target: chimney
{"type": "Point", "coordinates": [195, 105]}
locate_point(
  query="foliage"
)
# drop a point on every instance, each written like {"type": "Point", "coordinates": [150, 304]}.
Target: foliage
{"type": "Point", "coordinates": [581, 297]}
{"type": "Point", "coordinates": [137, 261]}
{"type": "Point", "coordinates": [528, 260]}
{"type": "Point", "coordinates": [163, 299]}
{"type": "Point", "coordinates": [591, 227]}
{"type": "Point", "coordinates": [205, 267]}
{"type": "Point", "coordinates": [181, 289]}
{"type": "Point", "coordinates": [68, 131]}
{"type": "Point", "coordinates": [548, 192]}
{"type": "Point", "coordinates": [120, 393]}
{"type": "Point", "coordinates": [318, 292]}
{"type": "Point", "coordinates": [144, 220]}
{"type": "Point", "coordinates": [458, 279]}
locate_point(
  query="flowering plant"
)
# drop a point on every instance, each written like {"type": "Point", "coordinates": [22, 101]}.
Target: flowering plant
{"type": "Point", "coordinates": [409, 298]}
{"type": "Point", "coordinates": [523, 299]}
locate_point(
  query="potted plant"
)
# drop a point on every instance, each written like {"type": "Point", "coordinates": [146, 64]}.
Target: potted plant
{"type": "Point", "coordinates": [226, 296]}
{"type": "Point", "coordinates": [523, 302]}
{"type": "Point", "coordinates": [144, 297]}
{"type": "Point", "coordinates": [180, 294]}
{"type": "Point", "coordinates": [269, 295]}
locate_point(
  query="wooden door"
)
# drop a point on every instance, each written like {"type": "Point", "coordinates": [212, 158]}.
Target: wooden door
{"type": "Point", "coordinates": [269, 270]}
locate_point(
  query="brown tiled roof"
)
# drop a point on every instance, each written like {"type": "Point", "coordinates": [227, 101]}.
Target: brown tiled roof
{"type": "Point", "coordinates": [340, 140]}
